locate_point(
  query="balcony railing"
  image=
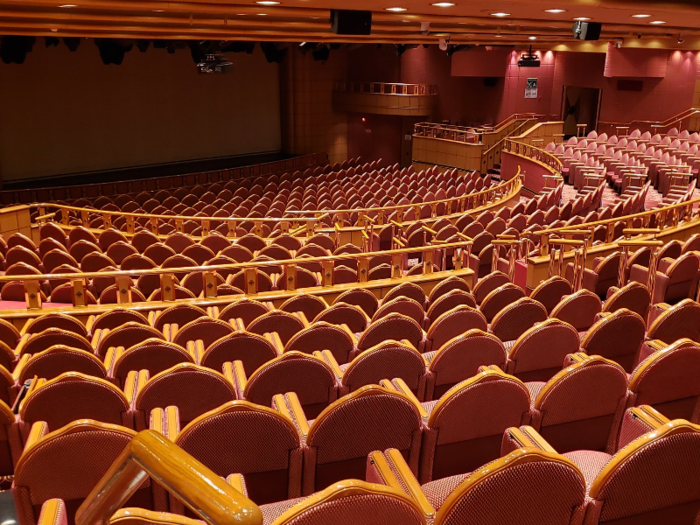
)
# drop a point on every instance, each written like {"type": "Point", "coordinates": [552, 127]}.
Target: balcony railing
{"type": "Point", "coordinates": [385, 88]}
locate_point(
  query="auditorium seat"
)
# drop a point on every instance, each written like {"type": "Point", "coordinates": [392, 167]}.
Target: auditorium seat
{"type": "Point", "coordinates": [580, 407]}
{"type": "Point", "coordinates": [617, 336]}
{"type": "Point", "coordinates": [339, 439]}
{"type": "Point", "coordinates": [66, 463]}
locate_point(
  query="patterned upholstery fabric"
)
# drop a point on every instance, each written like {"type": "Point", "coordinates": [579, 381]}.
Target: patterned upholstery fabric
{"type": "Point", "coordinates": [153, 355]}
{"type": "Point", "coordinates": [409, 290]}
{"type": "Point", "coordinates": [404, 306]}
{"type": "Point", "coordinates": [579, 309]}
{"type": "Point", "coordinates": [323, 336]}
{"type": "Point", "coordinates": [341, 313]}
{"type": "Point", "coordinates": [56, 320]}
{"type": "Point", "coordinates": [359, 297]}
{"type": "Point", "coordinates": [590, 462]}
{"type": "Point", "coordinates": [252, 349]}
{"type": "Point", "coordinates": [285, 324]}
{"type": "Point", "coordinates": [550, 292]}
{"type": "Point", "coordinates": [54, 336]}
{"type": "Point", "coordinates": [127, 336]}
{"type": "Point", "coordinates": [617, 337]}
{"type": "Point", "coordinates": [448, 301]}
{"type": "Point", "coordinates": [634, 296]}
{"type": "Point", "coordinates": [60, 359]}
{"type": "Point", "coordinates": [205, 329]}
{"type": "Point", "coordinates": [447, 285]}
{"type": "Point", "coordinates": [515, 319]}
{"type": "Point", "coordinates": [117, 317]}
{"type": "Point", "coordinates": [460, 359]}
{"type": "Point", "coordinates": [181, 314]}
{"type": "Point", "coordinates": [683, 320]}
{"type": "Point", "coordinates": [394, 326]}
{"type": "Point", "coordinates": [453, 323]}
{"type": "Point", "coordinates": [499, 299]}
{"type": "Point", "coordinates": [310, 305]}
{"type": "Point", "coordinates": [245, 309]}
{"type": "Point", "coordinates": [539, 353]}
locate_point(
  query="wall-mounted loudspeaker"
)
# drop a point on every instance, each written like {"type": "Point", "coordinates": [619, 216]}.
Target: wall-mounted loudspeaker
{"type": "Point", "coordinates": [587, 30]}
{"type": "Point", "coordinates": [346, 22]}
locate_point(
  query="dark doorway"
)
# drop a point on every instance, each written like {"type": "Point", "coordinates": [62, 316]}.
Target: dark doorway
{"type": "Point", "coordinates": [580, 106]}
{"type": "Point", "coordinates": [407, 124]}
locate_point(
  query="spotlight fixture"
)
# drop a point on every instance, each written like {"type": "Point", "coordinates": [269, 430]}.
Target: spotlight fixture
{"type": "Point", "coordinates": [582, 18]}
{"type": "Point", "coordinates": [214, 63]}
{"type": "Point", "coordinates": [500, 15]}
{"type": "Point", "coordinates": [396, 9]}
{"type": "Point", "coordinates": [533, 38]}
{"type": "Point", "coordinates": [443, 4]}
{"type": "Point", "coordinates": [555, 11]}
{"type": "Point", "coordinates": [680, 39]}
{"type": "Point", "coordinates": [641, 16]}
{"type": "Point", "coordinates": [657, 22]}
{"type": "Point", "coordinates": [267, 2]}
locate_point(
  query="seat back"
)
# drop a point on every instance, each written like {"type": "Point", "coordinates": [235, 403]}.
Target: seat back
{"type": "Point", "coordinates": [453, 323]}
{"type": "Point", "coordinates": [341, 313]}
{"type": "Point", "coordinates": [387, 359]}
{"type": "Point", "coordinates": [667, 381]}
{"type": "Point", "coordinates": [394, 326]}
{"type": "Point", "coordinates": [341, 437]}
{"type": "Point", "coordinates": [578, 309]}
{"type": "Point", "coordinates": [365, 502]}
{"type": "Point", "coordinates": [260, 443]}
{"type": "Point", "coordinates": [589, 393]}
{"type": "Point", "coordinates": [402, 305]}
{"type": "Point", "coordinates": [678, 322]}
{"type": "Point", "coordinates": [652, 478]}
{"type": "Point", "coordinates": [53, 336]}
{"type": "Point", "coordinates": [204, 329]}
{"type": "Point", "coordinates": [448, 301]}
{"type": "Point", "coordinates": [323, 336]}
{"type": "Point", "coordinates": [193, 389]}
{"type": "Point", "coordinates": [360, 297]}
{"type": "Point", "coordinates": [72, 396]}
{"type": "Point", "coordinates": [308, 376]}
{"type": "Point", "coordinates": [633, 296]}
{"type": "Point", "coordinates": [126, 335]}
{"type": "Point", "coordinates": [466, 426]}
{"type": "Point", "coordinates": [310, 305]}
{"type": "Point", "coordinates": [55, 320]}
{"type": "Point", "coordinates": [180, 314]}
{"type": "Point", "coordinates": [682, 278]}
{"type": "Point", "coordinates": [511, 322]}
{"type": "Point", "coordinates": [286, 325]}
{"type": "Point", "coordinates": [77, 456]}
{"type": "Point", "coordinates": [59, 359]}
{"type": "Point", "coordinates": [617, 336]}
{"type": "Point", "coordinates": [247, 310]}
{"type": "Point", "coordinates": [538, 353]}
{"type": "Point", "coordinates": [548, 488]}
{"type": "Point", "coordinates": [252, 349]}
{"type": "Point", "coordinates": [499, 298]}
{"type": "Point", "coordinates": [154, 355]}
{"type": "Point", "coordinates": [550, 292]}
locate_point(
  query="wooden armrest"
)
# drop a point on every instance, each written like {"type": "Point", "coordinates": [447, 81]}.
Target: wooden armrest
{"type": "Point", "coordinates": [195, 349]}
{"type": "Point", "coordinates": [526, 436]}
{"type": "Point", "coordinates": [302, 318]}
{"type": "Point", "coordinates": [350, 333]}
{"type": "Point", "coordinates": [275, 340]}
{"type": "Point", "coordinates": [17, 372]}
{"type": "Point", "coordinates": [22, 342]}
{"type": "Point", "coordinates": [235, 372]}
{"type": "Point", "coordinates": [39, 429]}
{"type": "Point", "coordinates": [327, 357]}
{"type": "Point", "coordinates": [113, 354]}
{"type": "Point", "coordinates": [166, 422]}
{"type": "Point", "coordinates": [170, 330]}
{"type": "Point", "coordinates": [135, 381]}
{"type": "Point", "coordinates": [237, 324]}
{"type": "Point", "coordinates": [237, 481]}
{"type": "Point", "coordinates": [136, 516]}
{"type": "Point", "coordinates": [288, 405]}
{"type": "Point", "coordinates": [392, 470]}
{"type": "Point", "coordinates": [399, 385]}
{"type": "Point", "coordinates": [53, 512]}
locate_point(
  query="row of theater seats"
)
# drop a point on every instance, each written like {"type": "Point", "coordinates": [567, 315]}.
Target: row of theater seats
{"type": "Point", "coordinates": [676, 276]}
{"type": "Point", "coordinates": [383, 188]}
{"type": "Point", "coordinates": [641, 155]}
{"type": "Point", "coordinates": [646, 476]}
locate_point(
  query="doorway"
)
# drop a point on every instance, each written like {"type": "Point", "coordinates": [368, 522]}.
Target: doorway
{"type": "Point", "coordinates": [580, 106]}
{"type": "Point", "coordinates": [407, 124]}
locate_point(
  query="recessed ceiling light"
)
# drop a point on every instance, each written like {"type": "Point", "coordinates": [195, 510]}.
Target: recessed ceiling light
{"type": "Point", "coordinates": [267, 2]}
{"type": "Point", "coordinates": [67, 6]}
{"type": "Point", "coordinates": [499, 36]}
{"type": "Point", "coordinates": [657, 22]}
{"type": "Point", "coordinates": [262, 14]}
{"type": "Point", "coordinates": [444, 4]}
{"type": "Point", "coordinates": [582, 18]}
{"type": "Point", "coordinates": [555, 11]}
{"type": "Point", "coordinates": [533, 38]}
{"type": "Point", "coordinates": [396, 9]}
{"type": "Point", "coordinates": [500, 15]}
{"type": "Point", "coordinates": [159, 10]}
{"type": "Point", "coordinates": [641, 16]}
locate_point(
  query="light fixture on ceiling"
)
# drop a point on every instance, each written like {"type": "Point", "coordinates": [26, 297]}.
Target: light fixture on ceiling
{"type": "Point", "coordinates": [680, 39]}
{"type": "Point", "coordinates": [67, 6]}
{"type": "Point", "coordinates": [159, 10]}
{"type": "Point", "coordinates": [657, 22]}
{"type": "Point", "coordinates": [555, 11]}
{"type": "Point", "coordinates": [396, 9]}
{"type": "Point", "coordinates": [443, 4]}
{"type": "Point", "coordinates": [262, 14]}
{"type": "Point", "coordinates": [641, 16]}
{"type": "Point", "coordinates": [500, 15]}
{"type": "Point", "coordinates": [582, 18]}
{"type": "Point", "coordinates": [267, 2]}
{"type": "Point", "coordinates": [533, 38]}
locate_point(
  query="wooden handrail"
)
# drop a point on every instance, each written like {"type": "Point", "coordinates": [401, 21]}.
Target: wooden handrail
{"type": "Point", "coordinates": [190, 481]}
{"type": "Point", "coordinates": [385, 88]}
{"type": "Point", "coordinates": [235, 266]}
{"type": "Point", "coordinates": [663, 124]}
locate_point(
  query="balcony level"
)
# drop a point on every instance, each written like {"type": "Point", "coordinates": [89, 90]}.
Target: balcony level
{"type": "Point", "coordinates": [381, 98]}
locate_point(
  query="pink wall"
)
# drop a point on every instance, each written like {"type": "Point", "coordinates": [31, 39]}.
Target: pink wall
{"type": "Point", "coordinates": [514, 100]}
{"type": "Point", "coordinates": [378, 137]}
{"type": "Point", "coordinates": [635, 63]}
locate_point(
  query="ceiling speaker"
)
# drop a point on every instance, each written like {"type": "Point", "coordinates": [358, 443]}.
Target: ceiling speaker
{"type": "Point", "coordinates": [346, 22]}
{"type": "Point", "coordinates": [587, 30]}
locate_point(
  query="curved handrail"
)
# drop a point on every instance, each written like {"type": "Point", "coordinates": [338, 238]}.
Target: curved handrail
{"type": "Point", "coordinates": [235, 266]}
{"type": "Point", "coordinates": [532, 152]}
{"type": "Point", "coordinates": [662, 124]}
{"type": "Point", "coordinates": [482, 196]}
{"type": "Point", "coordinates": [190, 481]}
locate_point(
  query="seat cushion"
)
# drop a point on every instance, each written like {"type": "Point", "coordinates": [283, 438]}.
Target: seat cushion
{"type": "Point", "coordinates": [590, 463]}
{"type": "Point", "coordinates": [437, 491]}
